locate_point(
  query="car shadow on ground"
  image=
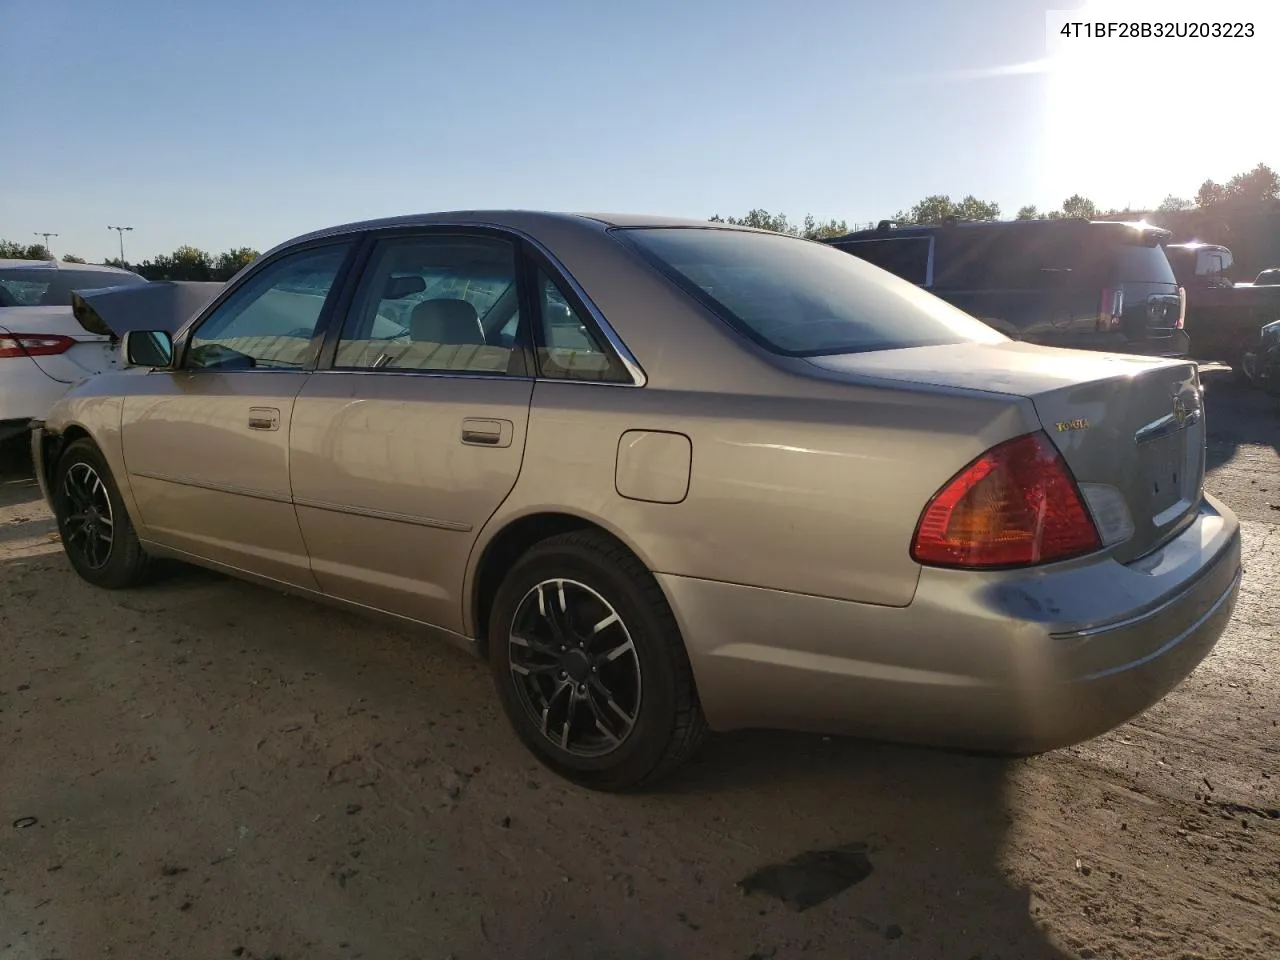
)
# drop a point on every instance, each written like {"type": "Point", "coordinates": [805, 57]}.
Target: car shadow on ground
{"type": "Point", "coordinates": [767, 844]}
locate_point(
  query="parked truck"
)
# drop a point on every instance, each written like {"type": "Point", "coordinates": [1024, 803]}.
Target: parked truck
{"type": "Point", "coordinates": [1224, 318]}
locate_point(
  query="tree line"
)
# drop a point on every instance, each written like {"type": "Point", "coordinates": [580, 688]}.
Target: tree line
{"type": "Point", "coordinates": [1243, 213]}
{"type": "Point", "coordinates": [185, 263]}
{"type": "Point", "coordinates": [1221, 212]}
{"type": "Point", "coordinates": [1259, 187]}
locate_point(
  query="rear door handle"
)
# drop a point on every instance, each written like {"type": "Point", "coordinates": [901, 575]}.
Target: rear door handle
{"type": "Point", "coordinates": [264, 418]}
{"type": "Point", "coordinates": [487, 433]}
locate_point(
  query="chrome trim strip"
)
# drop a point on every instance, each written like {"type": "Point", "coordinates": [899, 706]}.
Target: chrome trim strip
{"type": "Point", "coordinates": [1154, 612]}
{"type": "Point", "coordinates": [1165, 426]}
{"type": "Point", "coordinates": [215, 487]}
{"type": "Point", "coordinates": [383, 515]}
{"type": "Point", "coordinates": [465, 375]}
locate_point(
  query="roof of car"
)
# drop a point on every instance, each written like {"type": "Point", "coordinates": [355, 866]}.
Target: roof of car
{"type": "Point", "coordinates": [510, 219]}
{"type": "Point", "coordinates": [928, 229]}
{"type": "Point", "coordinates": [6, 264]}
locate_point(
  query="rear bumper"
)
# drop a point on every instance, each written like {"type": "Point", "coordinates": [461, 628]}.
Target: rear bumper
{"type": "Point", "coordinates": [1177, 346]}
{"type": "Point", "coordinates": [26, 391]}
{"type": "Point", "coordinates": [995, 662]}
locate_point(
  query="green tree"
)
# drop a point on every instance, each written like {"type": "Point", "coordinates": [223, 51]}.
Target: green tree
{"type": "Point", "coordinates": [185, 263]}
{"type": "Point", "coordinates": [1256, 187]}
{"type": "Point", "coordinates": [1079, 208]}
{"type": "Point", "coordinates": [810, 228]}
{"type": "Point", "coordinates": [1029, 212]}
{"type": "Point", "coordinates": [1210, 194]}
{"type": "Point", "coordinates": [116, 262]}
{"type": "Point", "coordinates": [230, 262]}
{"type": "Point", "coordinates": [1172, 204]}
{"type": "Point", "coordinates": [11, 250]}
{"type": "Point", "coordinates": [72, 258]}
{"type": "Point", "coordinates": [815, 230]}
{"type": "Point", "coordinates": [760, 220]}
{"type": "Point", "coordinates": [939, 207]}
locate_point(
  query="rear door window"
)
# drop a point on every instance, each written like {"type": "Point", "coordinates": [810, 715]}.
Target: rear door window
{"type": "Point", "coordinates": [905, 257]}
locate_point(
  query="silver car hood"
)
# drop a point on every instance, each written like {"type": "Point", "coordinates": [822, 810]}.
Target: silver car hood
{"type": "Point", "coordinates": [159, 305]}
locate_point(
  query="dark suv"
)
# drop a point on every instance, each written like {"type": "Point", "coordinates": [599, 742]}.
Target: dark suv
{"type": "Point", "coordinates": [1090, 285]}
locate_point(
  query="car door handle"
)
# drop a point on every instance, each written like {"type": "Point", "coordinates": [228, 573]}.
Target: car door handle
{"type": "Point", "coordinates": [264, 418]}
{"type": "Point", "coordinates": [487, 433]}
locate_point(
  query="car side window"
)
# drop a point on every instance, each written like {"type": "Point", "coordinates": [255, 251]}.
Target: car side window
{"type": "Point", "coordinates": [270, 320]}
{"type": "Point", "coordinates": [568, 349]}
{"type": "Point", "coordinates": [444, 304]}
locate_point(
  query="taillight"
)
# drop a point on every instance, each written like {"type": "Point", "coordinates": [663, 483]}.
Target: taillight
{"type": "Point", "coordinates": [1110, 308]}
{"type": "Point", "coordinates": [34, 344]}
{"type": "Point", "coordinates": [1015, 506]}
{"type": "Point", "coordinates": [1182, 308]}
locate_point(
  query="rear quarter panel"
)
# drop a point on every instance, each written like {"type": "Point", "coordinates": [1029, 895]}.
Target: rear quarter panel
{"type": "Point", "coordinates": [814, 494]}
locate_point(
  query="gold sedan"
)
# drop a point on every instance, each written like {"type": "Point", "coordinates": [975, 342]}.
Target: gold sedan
{"type": "Point", "coordinates": [668, 476]}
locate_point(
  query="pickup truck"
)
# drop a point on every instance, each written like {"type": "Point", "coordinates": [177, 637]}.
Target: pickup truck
{"type": "Point", "coordinates": [1224, 318]}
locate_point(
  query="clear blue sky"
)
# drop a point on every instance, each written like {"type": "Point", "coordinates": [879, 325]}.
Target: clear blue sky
{"type": "Point", "coordinates": [245, 123]}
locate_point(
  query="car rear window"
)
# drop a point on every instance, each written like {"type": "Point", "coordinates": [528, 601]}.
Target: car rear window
{"type": "Point", "coordinates": [905, 257]}
{"type": "Point", "coordinates": [800, 298]}
{"type": "Point", "coordinates": [1137, 263]}
{"type": "Point", "coordinates": [49, 287]}
{"type": "Point", "coordinates": [1032, 257]}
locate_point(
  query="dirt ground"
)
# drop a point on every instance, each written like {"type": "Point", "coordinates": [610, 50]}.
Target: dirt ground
{"type": "Point", "coordinates": [209, 769]}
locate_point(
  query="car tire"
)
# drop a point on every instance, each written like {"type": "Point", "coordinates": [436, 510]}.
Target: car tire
{"type": "Point", "coordinates": [1246, 368]}
{"type": "Point", "coordinates": [97, 534]}
{"type": "Point", "coordinates": [590, 665]}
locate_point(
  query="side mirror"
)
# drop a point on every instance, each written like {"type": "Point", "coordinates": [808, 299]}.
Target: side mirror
{"type": "Point", "coordinates": [147, 348]}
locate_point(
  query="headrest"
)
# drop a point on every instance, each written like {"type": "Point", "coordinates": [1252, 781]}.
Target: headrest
{"type": "Point", "coordinates": [446, 321]}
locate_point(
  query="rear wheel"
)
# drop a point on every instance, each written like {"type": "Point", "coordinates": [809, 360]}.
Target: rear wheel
{"type": "Point", "coordinates": [590, 665]}
{"type": "Point", "coordinates": [96, 532]}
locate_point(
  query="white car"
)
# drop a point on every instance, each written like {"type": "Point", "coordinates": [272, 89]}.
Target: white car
{"type": "Point", "coordinates": [43, 349]}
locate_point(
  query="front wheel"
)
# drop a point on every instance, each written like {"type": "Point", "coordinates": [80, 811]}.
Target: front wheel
{"type": "Point", "coordinates": [590, 665]}
{"type": "Point", "coordinates": [96, 532]}
{"type": "Point", "coordinates": [1247, 368]}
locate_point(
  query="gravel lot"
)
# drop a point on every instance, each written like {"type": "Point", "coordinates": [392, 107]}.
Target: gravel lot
{"type": "Point", "coordinates": [209, 769]}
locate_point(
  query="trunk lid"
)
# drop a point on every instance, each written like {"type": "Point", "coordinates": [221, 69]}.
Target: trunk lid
{"type": "Point", "coordinates": [1130, 428]}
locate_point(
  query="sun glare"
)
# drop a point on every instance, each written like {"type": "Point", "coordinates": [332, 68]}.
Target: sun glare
{"type": "Point", "coordinates": [1130, 121]}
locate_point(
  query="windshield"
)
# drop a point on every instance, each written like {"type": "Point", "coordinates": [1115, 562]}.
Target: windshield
{"type": "Point", "coordinates": [800, 298]}
{"type": "Point", "coordinates": [51, 287]}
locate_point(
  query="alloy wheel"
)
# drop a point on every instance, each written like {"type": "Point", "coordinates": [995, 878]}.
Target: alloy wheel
{"type": "Point", "coordinates": [88, 529]}
{"type": "Point", "coordinates": [575, 667]}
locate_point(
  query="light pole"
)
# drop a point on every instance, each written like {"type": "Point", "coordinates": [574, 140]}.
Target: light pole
{"type": "Point", "coordinates": [120, 231]}
{"type": "Point", "coordinates": [48, 249]}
